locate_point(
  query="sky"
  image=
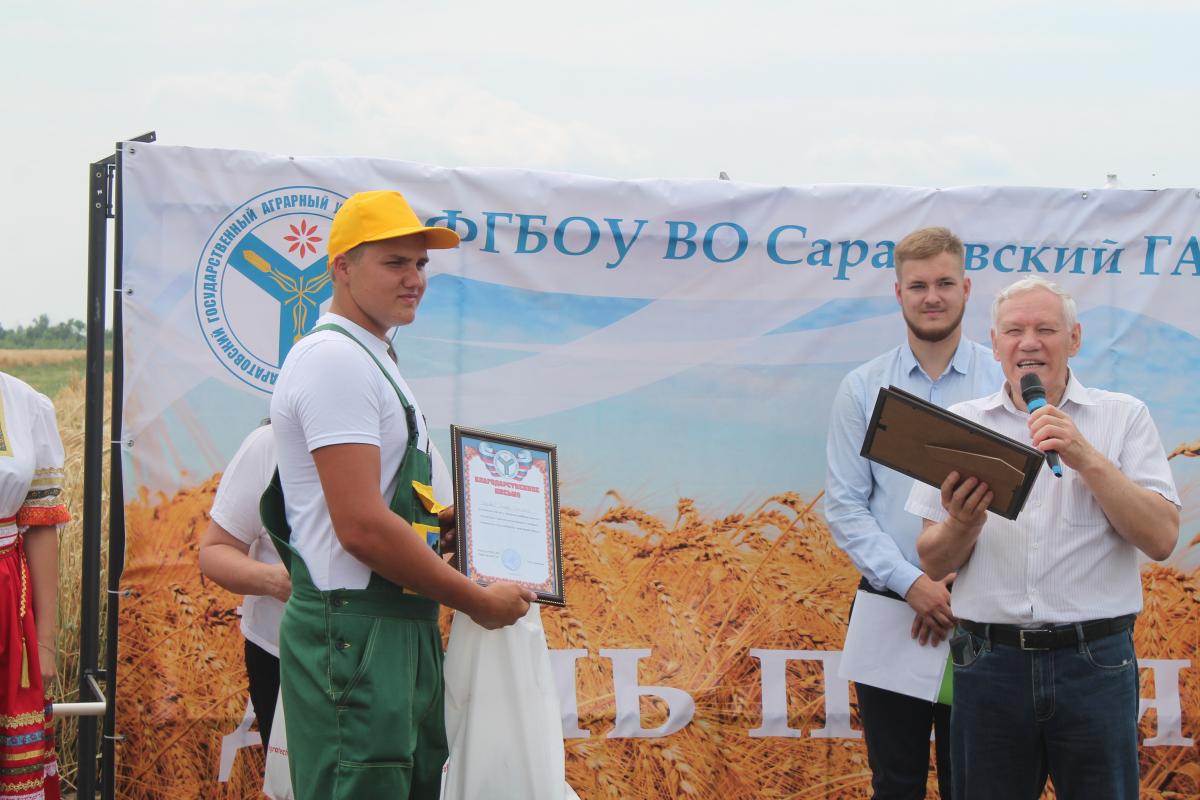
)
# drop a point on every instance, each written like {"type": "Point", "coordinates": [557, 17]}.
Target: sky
{"type": "Point", "coordinates": [791, 93]}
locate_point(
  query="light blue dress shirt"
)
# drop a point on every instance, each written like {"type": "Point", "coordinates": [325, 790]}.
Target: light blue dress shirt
{"type": "Point", "coordinates": [864, 502]}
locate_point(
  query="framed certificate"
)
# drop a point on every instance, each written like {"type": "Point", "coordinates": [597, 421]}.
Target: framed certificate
{"type": "Point", "coordinates": [506, 509]}
{"type": "Point", "coordinates": [923, 441]}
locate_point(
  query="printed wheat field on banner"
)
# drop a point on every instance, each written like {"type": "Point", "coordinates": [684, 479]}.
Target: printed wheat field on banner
{"type": "Point", "coordinates": [699, 593]}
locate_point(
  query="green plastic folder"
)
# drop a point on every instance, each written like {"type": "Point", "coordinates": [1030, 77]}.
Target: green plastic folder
{"type": "Point", "coordinates": [946, 692]}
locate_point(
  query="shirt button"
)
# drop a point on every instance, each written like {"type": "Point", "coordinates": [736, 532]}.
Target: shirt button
{"type": "Point", "coordinates": [337, 602]}
{"type": "Point", "coordinates": [342, 645]}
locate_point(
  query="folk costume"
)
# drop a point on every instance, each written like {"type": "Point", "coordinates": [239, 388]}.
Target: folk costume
{"type": "Point", "coordinates": [31, 475]}
{"type": "Point", "coordinates": [360, 657]}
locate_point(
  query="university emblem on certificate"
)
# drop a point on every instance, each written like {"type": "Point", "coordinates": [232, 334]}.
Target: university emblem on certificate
{"type": "Point", "coordinates": [504, 463]}
{"type": "Point", "coordinates": [261, 280]}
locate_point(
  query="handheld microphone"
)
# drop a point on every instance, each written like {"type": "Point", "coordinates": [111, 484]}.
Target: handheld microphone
{"type": "Point", "coordinates": [1034, 395]}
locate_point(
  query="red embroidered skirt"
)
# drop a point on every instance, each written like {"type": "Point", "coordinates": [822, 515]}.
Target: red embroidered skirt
{"type": "Point", "coordinates": [28, 766]}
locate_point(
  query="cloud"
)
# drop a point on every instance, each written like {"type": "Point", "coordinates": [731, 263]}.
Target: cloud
{"type": "Point", "coordinates": [887, 158]}
{"type": "Point", "coordinates": [330, 106]}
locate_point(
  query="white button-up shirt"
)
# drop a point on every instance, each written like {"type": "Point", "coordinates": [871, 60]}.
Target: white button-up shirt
{"type": "Point", "coordinates": [1061, 560]}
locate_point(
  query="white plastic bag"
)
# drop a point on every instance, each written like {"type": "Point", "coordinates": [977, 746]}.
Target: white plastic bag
{"type": "Point", "coordinates": [502, 714]}
{"type": "Point", "coordinates": [277, 783]}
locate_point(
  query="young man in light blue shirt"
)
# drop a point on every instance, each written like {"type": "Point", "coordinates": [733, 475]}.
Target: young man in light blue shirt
{"type": "Point", "coordinates": [864, 502]}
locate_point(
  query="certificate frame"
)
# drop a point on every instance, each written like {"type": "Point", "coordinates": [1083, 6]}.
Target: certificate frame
{"type": "Point", "coordinates": [506, 476]}
{"type": "Point", "coordinates": [927, 442]}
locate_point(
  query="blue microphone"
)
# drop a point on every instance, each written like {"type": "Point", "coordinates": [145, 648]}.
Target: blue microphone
{"type": "Point", "coordinates": [1034, 395]}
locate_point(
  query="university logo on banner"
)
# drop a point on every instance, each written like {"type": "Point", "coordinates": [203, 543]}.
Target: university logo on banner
{"type": "Point", "coordinates": [262, 277]}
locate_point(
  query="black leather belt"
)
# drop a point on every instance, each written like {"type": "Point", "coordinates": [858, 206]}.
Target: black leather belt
{"type": "Point", "coordinates": [1050, 638]}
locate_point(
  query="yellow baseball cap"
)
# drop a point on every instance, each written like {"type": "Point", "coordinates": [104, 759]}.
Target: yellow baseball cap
{"type": "Point", "coordinates": [374, 216]}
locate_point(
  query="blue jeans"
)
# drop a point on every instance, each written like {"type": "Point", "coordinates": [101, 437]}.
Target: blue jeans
{"type": "Point", "coordinates": [1020, 715]}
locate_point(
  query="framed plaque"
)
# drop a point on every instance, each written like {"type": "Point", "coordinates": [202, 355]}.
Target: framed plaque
{"type": "Point", "coordinates": [506, 510]}
{"type": "Point", "coordinates": [923, 441]}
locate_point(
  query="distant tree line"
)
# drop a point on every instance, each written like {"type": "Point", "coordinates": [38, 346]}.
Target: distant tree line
{"type": "Point", "coordinates": [42, 335]}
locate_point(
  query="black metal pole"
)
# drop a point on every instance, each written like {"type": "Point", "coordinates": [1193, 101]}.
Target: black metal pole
{"type": "Point", "coordinates": [116, 519]}
{"type": "Point", "coordinates": [99, 208]}
{"type": "Point", "coordinates": [116, 504]}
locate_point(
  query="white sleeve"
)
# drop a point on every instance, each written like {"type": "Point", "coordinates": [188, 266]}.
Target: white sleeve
{"type": "Point", "coordinates": [1143, 459]}
{"type": "Point", "coordinates": [443, 485]}
{"type": "Point", "coordinates": [339, 401]}
{"type": "Point", "coordinates": [44, 503]}
{"type": "Point", "coordinates": [48, 446]}
{"type": "Point", "coordinates": [235, 507]}
{"type": "Point", "coordinates": [926, 502]}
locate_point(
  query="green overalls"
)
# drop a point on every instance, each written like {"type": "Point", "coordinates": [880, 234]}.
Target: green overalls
{"type": "Point", "coordinates": [361, 669]}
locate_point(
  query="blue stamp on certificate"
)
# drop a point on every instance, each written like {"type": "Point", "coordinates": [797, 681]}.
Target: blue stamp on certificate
{"type": "Point", "coordinates": [511, 560]}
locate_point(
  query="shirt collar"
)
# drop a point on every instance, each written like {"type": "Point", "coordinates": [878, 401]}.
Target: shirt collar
{"type": "Point", "coordinates": [1002, 399]}
{"type": "Point", "coordinates": [998, 400]}
{"type": "Point", "coordinates": [960, 362]}
{"type": "Point", "coordinates": [1076, 392]}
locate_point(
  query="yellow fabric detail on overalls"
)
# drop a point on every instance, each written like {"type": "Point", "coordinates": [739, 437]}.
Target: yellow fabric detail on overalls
{"type": "Point", "coordinates": [425, 493]}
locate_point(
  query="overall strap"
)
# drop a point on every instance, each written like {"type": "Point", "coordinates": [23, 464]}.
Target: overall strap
{"type": "Point", "coordinates": [273, 514]}
{"type": "Point", "coordinates": [410, 413]}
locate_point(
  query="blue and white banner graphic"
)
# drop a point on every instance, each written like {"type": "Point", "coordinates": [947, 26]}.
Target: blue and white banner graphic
{"type": "Point", "coordinates": [605, 315]}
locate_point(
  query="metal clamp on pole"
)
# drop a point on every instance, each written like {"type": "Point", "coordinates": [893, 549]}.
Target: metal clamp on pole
{"type": "Point", "coordinates": [93, 708]}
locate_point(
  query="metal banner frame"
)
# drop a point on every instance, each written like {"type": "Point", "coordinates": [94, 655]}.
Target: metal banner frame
{"type": "Point", "coordinates": [104, 204]}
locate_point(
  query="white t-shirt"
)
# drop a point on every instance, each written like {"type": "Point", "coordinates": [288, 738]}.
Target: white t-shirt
{"type": "Point", "coordinates": [236, 510]}
{"type": "Point", "coordinates": [330, 392]}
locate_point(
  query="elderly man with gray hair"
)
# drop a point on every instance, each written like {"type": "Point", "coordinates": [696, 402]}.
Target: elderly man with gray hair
{"type": "Point", "coordinates": [1045, 676]}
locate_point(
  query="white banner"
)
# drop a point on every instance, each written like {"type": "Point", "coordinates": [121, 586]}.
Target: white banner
{"type": "Point", "coordinates": [572, 292]}
{"type": "Point", "coordinates": [675, 340]}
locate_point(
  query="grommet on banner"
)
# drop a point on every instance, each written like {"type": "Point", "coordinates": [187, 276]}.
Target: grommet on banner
{"type": "Point", "coordinates": [1083, 195]}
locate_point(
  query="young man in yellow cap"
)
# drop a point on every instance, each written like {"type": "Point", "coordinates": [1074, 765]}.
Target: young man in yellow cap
{"type": "Point", "coordinates": [360, 652]}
